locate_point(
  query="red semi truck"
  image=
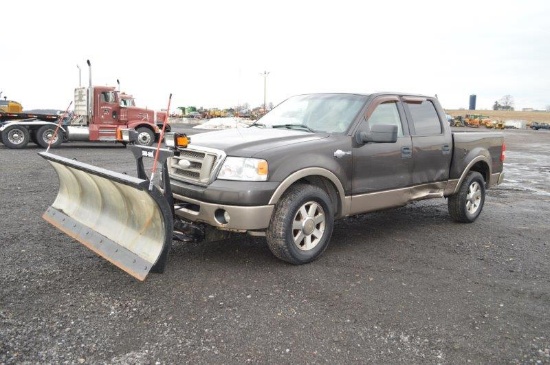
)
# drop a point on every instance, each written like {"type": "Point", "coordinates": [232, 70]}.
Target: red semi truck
{"type": "Point", "coordinates": [100, 112]}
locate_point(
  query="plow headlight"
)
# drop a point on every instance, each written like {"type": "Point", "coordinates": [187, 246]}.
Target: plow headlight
{"type": "Point", "coordinates": [245, 169]}
{"type": "Point", "coordinates": [127, 135]}
{"type": "Point", "coordinates": [176, 140]}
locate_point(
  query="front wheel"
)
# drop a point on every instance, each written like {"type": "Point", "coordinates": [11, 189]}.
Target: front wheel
{"type": "Point", "coordinates": [15, 137]}
{"type": "Point", "coordinates": [465, 206]}
{"type": "Point", "coordinates": [145, 137]}
{"type": "Point", "coordinates": [301, 225]}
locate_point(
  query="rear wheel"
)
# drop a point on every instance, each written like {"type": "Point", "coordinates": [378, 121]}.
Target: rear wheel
{"type": "Point", "coordinates": [15, 137]}
{"type": "Point", "coordinates": [145, 137]}
{"type": "Point", "coordinates": [466, 205]}
{"type": "Point", "coordinates": [45, 133]}
{"type": "Point", "coordinates": [301, 225]}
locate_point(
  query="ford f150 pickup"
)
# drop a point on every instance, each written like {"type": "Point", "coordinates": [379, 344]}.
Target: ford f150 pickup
{"type": "Point", "coordinates": [313, 159]}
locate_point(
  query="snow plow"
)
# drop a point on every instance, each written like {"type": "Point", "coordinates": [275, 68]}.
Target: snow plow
{"type": "Point", "coordinates": [125, 219]}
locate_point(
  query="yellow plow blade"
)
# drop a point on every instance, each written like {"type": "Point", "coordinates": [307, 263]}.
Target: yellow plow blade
{"type": "Point", "coordinates": [113, 214]}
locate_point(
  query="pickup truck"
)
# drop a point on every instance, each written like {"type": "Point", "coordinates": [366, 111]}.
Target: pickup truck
{"type": "Point", "coordinates": [316, 158]}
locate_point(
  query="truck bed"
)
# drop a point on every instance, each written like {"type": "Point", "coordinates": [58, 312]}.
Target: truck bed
{"type": "Point", "coordinates": [469, 146]}
{"type": "Point", "coordinates": [5, 117]}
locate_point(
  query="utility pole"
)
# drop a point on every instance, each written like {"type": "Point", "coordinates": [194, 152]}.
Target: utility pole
{"type": "Point", "coordinates": [264, 74]}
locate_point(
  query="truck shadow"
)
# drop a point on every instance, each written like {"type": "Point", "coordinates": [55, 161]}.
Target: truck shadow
{"type": "Point", "coordinates": [352, 236]}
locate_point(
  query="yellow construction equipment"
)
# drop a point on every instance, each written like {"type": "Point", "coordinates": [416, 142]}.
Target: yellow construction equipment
{"type": "Point", "coordinates": [10, 106]}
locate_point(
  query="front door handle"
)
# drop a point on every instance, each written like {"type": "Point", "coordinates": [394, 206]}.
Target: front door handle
{"type": "Point", "coordinates": [340, 153]}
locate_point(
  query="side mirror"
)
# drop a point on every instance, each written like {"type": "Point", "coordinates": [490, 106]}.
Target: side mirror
{"type": "Point", "coordinates": [380, 133]}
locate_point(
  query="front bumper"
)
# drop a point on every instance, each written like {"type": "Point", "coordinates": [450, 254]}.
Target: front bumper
{"type": "Point", "coordinates": [228, 217]}
{"type": "Point", "coordinates": [229, 205]}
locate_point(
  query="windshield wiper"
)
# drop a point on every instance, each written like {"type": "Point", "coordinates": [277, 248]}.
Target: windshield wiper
{"type": "Point", "coordinates": [294, 126]}
{"type": "Point", "coordinates": [259, 125]}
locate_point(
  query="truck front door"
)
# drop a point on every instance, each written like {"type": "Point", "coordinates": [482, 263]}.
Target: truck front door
{"type": "Point", "coordinates": [379, 167]}
{"type": "Point", "coordinates": [106, 117]}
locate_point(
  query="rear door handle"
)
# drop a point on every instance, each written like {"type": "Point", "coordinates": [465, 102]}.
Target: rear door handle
{"type": "Point", "coordinates": [406, 152]}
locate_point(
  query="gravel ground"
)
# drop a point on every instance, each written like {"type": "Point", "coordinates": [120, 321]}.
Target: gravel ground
{"type": "Point", "coordinates": [401, 286]}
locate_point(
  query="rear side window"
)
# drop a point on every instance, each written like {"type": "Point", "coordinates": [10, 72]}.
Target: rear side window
{"type": "Point", "coordinates": [425, 119]}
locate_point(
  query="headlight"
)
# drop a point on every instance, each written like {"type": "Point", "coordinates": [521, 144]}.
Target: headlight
{"type": "Point", "coordinates": [176, 140]}
{"type": "Point", "coordinates": [246, 169]}
{"type": "Point", "coordinates": [170, 139]}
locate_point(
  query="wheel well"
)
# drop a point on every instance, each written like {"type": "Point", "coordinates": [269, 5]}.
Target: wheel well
{"type": "Point", "coordinates": [483, 169]}
{"type": "Point", "coordinates": [329, 188]}
{"type": "Point", "coordinates": [144, 126]}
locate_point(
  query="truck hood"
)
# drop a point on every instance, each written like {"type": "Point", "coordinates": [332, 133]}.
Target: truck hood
{"type": "Point", "coordinates": [247, 142]}
{"type": "Point", "coordinates": [134, 113]}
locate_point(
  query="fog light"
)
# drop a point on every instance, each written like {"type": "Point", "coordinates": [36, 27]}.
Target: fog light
{"type": "Point", "coordinates": [222, 216]}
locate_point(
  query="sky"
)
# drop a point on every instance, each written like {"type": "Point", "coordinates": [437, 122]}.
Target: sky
{"type": "Point", "coordinates": [214, 53]}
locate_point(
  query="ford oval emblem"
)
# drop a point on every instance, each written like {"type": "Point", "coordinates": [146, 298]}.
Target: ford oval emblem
{"type": "Point", "coordinates": [185, 164]}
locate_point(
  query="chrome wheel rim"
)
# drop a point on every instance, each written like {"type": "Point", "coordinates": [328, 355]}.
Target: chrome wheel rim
{"type": "Point", "coordinates": [308, 226]}
{"type": "Point", "coordinates": [16, 136]}
{"type": "Point", "coordinates": [144, 138]}
{"type": "Point", "coordinates": [473, 199]}
{"type": "Point", "coordinates": [49, 135]}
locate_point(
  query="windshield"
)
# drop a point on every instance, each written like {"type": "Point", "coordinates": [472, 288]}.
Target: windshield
{"type": "Point", "coordinates": [332, 113]}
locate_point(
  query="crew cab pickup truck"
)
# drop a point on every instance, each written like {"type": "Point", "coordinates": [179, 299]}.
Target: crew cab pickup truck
{"type": "Point", "coordinates": [320, 157]}
{"type": "Point", "coordinates": [311, 160]}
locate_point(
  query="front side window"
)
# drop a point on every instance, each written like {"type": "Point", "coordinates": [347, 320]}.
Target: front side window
{"type": "Point", "coordinates": [424, 117]}
{"type": "Point", "coordinates": [387, 113]}
{"type": "Point", "coordinates": [108, 97]}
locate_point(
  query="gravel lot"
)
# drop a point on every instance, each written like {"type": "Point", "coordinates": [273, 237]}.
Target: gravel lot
{"type": "Point", "coordinates": [401, 286]}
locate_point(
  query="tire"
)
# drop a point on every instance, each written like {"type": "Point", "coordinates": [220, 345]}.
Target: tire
{"type": "Point", "coordinates": [44, 133]}
{"type": "Point", "coordinates": [309, 210]}
{"type": "Point", "coordinates": [15, 137]}
{"type": "Point", "coordinates": [466, 205]}
{"type": "Point", "coordinates": [145, 137]}
{"type": "Point", "coordinates": [167, 129]}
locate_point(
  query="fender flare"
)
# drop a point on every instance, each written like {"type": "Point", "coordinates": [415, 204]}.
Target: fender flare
{"type": "Point", "coordinates": [135, 124]}
{"type": "Point", "coordinates": [453, 189]}
{"type": "Point", "coordinates": [310, 171]}
{"type": "Point", "coordinates": [30, 124]}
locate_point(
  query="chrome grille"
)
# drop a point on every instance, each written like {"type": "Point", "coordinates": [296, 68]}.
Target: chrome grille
{"type": "Point", "coordinates": [194, 166]}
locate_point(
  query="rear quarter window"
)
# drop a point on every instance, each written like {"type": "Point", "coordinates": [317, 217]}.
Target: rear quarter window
{"type": "Point", "coordinates": [424, 118]}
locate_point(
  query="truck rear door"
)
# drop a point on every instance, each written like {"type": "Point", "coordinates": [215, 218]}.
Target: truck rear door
{"type": "Point", "coordinates": [431, 141]}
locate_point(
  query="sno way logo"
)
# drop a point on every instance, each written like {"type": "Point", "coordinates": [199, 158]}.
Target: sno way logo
{"type": "Point", "coordinates": [147, 153]}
